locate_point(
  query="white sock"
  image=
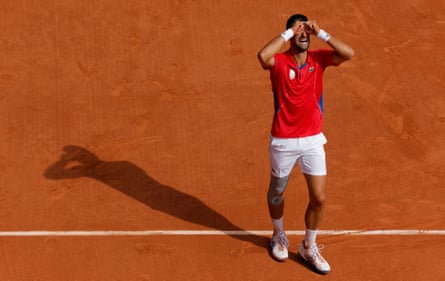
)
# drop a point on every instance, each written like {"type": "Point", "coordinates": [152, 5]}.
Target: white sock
{"type": "Point", "coordinates": [310, 236]}
{"type": "Point", "coordinates": [278, 225]}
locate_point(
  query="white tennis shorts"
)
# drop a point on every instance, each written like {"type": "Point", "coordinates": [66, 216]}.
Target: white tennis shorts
{"type": "Point", "coordinates": [307, 152]}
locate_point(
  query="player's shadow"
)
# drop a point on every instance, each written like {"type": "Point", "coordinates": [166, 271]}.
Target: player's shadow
{"type": "Point", "coordinates": [133, 181]}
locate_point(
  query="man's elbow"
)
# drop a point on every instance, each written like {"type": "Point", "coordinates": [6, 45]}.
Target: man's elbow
{"type": "Point", "coordinates": [349, 54]}
{"type": "Point", "coordinates": [263, 60]}
{"type": "Point", "coordinates": [260, 56]}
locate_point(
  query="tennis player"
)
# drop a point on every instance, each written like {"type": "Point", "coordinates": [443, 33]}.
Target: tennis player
{"type": "Point", "coordinates": [296, 135]}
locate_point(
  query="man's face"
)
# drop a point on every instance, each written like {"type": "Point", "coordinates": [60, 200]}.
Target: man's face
{"type": "Point", "coordinates": [301, 39]}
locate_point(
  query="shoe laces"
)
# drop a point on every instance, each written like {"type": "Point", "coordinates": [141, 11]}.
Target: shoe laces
{"type": "Point", "coordinates": [316, 251]}
{"type": "Point", "coordinates": [281, 239]}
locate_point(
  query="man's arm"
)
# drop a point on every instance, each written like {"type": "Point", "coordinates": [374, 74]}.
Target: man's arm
{"type": "Point", "coordinates": [267, 53]}
{"type": "Point", "coordinates": [343, 52]}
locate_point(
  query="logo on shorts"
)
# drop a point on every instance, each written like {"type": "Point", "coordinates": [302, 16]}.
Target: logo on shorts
{"type": "Point", "coordinates": [291, 74]}
{"type": "Point", "coordinates": [311, 69]}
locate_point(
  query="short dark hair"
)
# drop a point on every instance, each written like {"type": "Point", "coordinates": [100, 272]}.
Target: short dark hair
{"type": "Point", "coordinates": [297, 17]}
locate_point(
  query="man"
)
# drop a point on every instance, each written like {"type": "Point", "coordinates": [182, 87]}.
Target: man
{"type": "Point", "coordinates": [296, 134]}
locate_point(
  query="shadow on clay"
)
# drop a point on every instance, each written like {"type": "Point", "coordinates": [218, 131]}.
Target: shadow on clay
{"type": "Point", "coordinates": [133, 181]}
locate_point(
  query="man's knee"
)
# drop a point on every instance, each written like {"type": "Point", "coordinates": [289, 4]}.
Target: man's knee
{"type": "Point", "coordinates": [318, 200]}
{"type": "Point", "coordinates": [317, 189]}
{"type": "Point", "coordinates": [277, 187]}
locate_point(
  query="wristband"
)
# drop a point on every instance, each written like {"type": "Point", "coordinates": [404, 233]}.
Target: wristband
{"type": "Point", "coordinates": [323, 35]}
{"type": "Point", "coordinates": [288, 34]}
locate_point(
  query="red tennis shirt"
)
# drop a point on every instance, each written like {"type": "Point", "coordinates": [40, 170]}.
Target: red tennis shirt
{"type": "Point", "coordinates": [298, 93]}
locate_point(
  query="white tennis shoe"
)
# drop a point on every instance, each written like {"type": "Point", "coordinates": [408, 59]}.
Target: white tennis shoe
{"type": "Point", "coordinates": [313, 256]}
{"type": "Point", "coordinates": [279, 245]}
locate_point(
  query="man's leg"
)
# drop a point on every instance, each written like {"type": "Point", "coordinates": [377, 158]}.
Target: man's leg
{"type": "Point", "coordinates": [282, 153]}
{"type": "Point", "coordinates": [313, 165]}
{"type": "Point", "coordinates": [275, 197]}
{"type": "Point", "coordinates": [308, 249]}
{"type": "Point", "coordinates": [317, 195]}
{"type": "Point", "coordinates": [275, 201]}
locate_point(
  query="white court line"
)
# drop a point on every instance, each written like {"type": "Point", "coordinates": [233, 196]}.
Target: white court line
{"type": "Point", "coordinates": [75, 233]}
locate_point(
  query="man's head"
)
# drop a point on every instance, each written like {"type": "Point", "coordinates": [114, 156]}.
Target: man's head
{"type": "Point", "coordinates": [301, 40]}
{"type": "Point", "coordinates": [294, 18]}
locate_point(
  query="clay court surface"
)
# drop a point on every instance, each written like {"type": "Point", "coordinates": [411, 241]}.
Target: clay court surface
{"type": "Point", "coordinates": [145, 116]}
